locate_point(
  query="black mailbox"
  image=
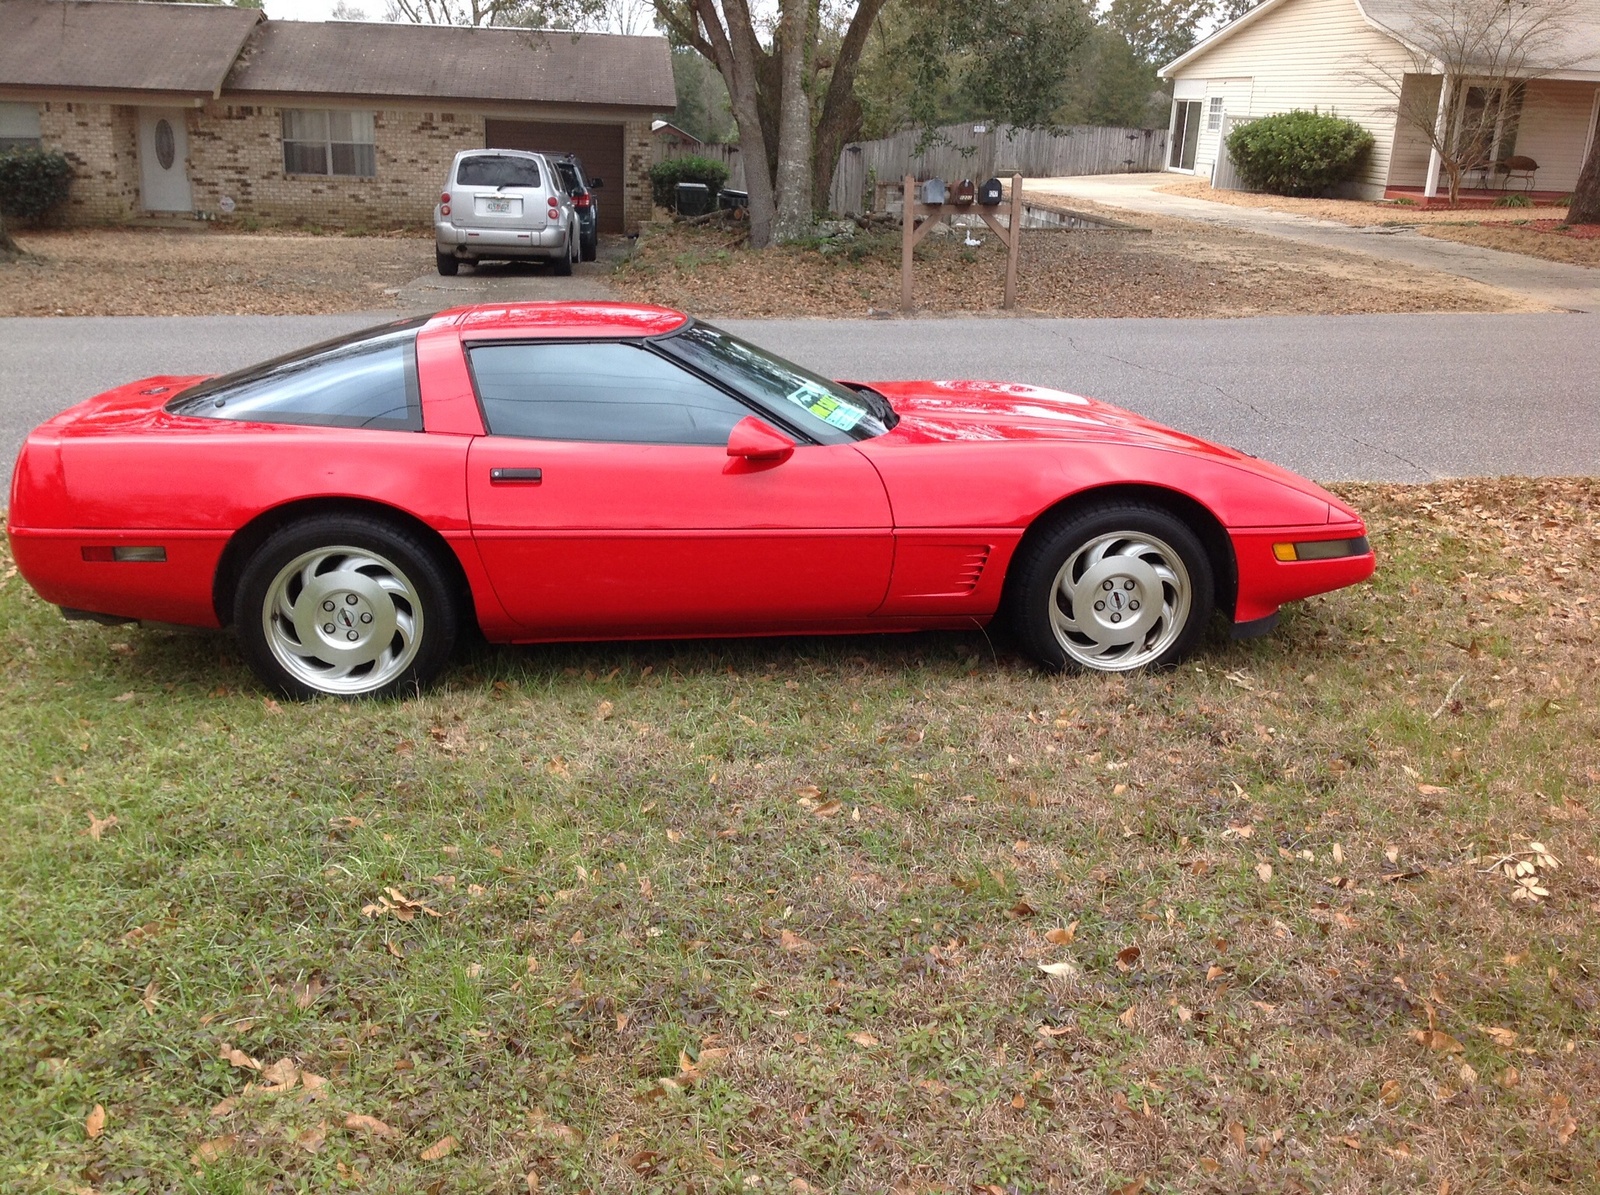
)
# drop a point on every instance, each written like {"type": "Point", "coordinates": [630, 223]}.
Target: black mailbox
{"type": "Point", "coordinates": [991, 193]}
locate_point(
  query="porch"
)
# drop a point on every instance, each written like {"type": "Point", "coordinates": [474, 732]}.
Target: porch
{"type": "Point", "coordinates": [1529, 139]}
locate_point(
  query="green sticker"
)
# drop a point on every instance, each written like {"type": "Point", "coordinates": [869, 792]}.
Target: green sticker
{"type": "Point", "coordinates": [822, 403]}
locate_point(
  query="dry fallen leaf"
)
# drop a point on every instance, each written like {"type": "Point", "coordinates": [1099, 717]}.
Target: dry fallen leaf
{"type": "Point", "coordinates": [95, 1123]}
{"type": "Point", "coordinates": [865, 1040]}
{"type": "Point", "coordinates": [794, 943]}
{"type": "Point", "coordinates": [99, 825]}
{"type": "Point", "coordinates": [369, 1124]}
{"type": "Point", "coordinates": [1264, 872]}
{"type": "Point", "coordinates": [445, 1145]}
{"type": "Point", "coordinates": [311, 1140]}
{"type": "Point", "coordinates": [1389, 1093]}
{"type": "Point", "coordinates": [1059, 970]}
{"type": "Point", "coordinates": [238, 1058]}
{"type": "Point", "coordinates": [1437, 1039]}
{"type": "Point", "coordinates": [1127, 958]}
{"type": "Point", "coordinates": [209, 1151]}
{"type": "Point", "coordinates": [1062, 935]}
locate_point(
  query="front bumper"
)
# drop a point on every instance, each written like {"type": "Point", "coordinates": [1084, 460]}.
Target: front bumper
{"type": "Point", "coordinates": [1266, 582]}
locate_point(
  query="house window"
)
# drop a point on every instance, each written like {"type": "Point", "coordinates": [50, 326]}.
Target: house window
{"type": "Point", "coordinates": [19, 127]}
{"type": "Point", "coordinates": [1214, 114]}
{"type": "Point", "coordinates": [322, 142]}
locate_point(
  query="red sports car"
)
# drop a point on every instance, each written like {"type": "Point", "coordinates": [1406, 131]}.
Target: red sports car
{"type": "Point", "coordinates": [606, 471]}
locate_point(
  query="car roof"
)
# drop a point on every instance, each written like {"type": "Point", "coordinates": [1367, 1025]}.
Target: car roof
{"type": "Point", "coordinates": [607, 321]}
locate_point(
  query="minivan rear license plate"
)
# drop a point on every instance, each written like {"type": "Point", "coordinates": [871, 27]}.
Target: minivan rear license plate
{"type": "Point", "coordinates": [497, 205]}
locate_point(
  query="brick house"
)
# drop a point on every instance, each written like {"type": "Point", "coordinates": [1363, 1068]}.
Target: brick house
{"type": "Point", "coordinates": [211, 111]}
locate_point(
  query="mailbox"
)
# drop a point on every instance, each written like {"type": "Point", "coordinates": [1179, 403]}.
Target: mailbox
{"type": "Point", "coordinates": [933, 192]}
{"type": "Point", "coordinates": [991, 193]}
{"type": "Point", "coordinates": [965, 192]}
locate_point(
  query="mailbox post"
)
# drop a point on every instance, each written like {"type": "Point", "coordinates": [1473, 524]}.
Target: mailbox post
{"type": "Point", "coordinates": [911, 234]}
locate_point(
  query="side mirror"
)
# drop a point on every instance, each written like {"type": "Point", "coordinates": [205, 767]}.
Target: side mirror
{"type": "Point", "coordinates": [596, 183]}
{"type": "Point", "coordinates": [757, 441]}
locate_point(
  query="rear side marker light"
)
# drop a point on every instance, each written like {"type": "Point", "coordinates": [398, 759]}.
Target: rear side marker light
{"type": "Point", "coordinates": [444, 209]}
{"type": "Point", "coordinates": [122, 555]}
{"type": "Point", "coordinates": [1322, 549]}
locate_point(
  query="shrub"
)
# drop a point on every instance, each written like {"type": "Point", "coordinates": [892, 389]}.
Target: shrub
{"type": "Point", "coordinates": [33, 183]}
{"type": "Point", "coordinates": [665, 177]}
{"type": "Point", "coordinates": [1299, 153]}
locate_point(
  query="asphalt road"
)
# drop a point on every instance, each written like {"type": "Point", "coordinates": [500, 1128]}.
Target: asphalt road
{"type": "Point", "coordinates": [1382, 398]}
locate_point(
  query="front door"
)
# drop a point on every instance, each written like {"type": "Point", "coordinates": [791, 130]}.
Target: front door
{"type": "Point", "coordinates": [164, 160]}
{"type": "Point", "coordinates": [604, 503]}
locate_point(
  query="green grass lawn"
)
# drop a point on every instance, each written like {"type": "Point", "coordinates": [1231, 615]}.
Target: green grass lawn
{"type": "Point", "coordinates": [774, 915]}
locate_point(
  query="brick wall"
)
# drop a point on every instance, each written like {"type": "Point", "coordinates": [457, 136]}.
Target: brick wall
{"type": "Point", "coordinates": [236, 151]}
{"type": "Point", "coordinates": [638, 152]}
{"type": "Point", "coordinates": [102, 143]}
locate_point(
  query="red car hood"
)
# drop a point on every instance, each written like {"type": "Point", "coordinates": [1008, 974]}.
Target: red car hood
{"type": "Point", "coordinates": [946, 412]}
{"type": "Point", "coordinates": [952, 411]}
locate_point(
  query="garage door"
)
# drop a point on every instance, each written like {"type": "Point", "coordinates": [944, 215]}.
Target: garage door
{"type": "Point", "coordinates": [599, 145]}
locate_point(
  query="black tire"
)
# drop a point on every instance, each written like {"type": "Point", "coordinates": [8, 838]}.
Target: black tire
{"type": "Point", "coordinates": [448, 264]}
{"type": "Point", "coordinates": [1125, 557]}
{"type": "Point", "coordinates": [564, 263]}
{"type": "Point", "coordinates": [589, 246]}
{"type": "Point", "coordinates": [387, 587]}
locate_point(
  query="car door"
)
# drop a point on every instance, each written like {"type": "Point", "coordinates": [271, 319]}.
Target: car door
{"type": "Point", "coordinates": [604, 502]}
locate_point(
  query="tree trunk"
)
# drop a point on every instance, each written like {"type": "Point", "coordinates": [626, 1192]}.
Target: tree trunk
{"type": "Point", "coordinates": [841, 111]}
{"type": "Point", "coordinates": [737, 54]}
{"type": "Point", "coordinates": [793, 175]}
{"type": "Point", "coordinates": [8, 248]}
{"type": "Point", "coordinates": [1585, 207]}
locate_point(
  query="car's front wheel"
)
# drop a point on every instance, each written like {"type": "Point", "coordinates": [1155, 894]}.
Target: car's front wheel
{"type": "Point", "coordinates": [345, 606]}
{"type": "Point", "coordinates": [1112, 588]}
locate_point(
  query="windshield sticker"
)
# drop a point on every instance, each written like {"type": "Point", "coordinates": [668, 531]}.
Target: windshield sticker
{"type": "Point", "coordinates": [821, 403]}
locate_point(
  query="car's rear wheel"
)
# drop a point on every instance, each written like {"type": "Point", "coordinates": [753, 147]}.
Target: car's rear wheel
{"type": "Point", "coordinates": [448, 265]}
{"type": "Point", "coordinates": [590, 246]}
{"type": "Point", "coordinates": [1112, 588]}
{"type": "Point", "coordinates": [564, 262]}
{"type": "Point", "coordinates": [345, 606]}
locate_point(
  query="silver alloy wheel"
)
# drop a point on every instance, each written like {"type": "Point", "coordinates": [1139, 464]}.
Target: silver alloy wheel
{"type": "Point", "coordinates": [342, 620]}
{"type": "Point", "coordinates": [1120, 601]}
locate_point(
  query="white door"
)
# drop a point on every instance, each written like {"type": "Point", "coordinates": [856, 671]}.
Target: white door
{"type": "Point", "coordinates": [164, 160]}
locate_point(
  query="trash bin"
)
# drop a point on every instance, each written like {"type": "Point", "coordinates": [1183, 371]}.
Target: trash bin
{"type": "Point", "coordinates": [733, 201]}
{"type": "Point", "coordinates": [693, 199]}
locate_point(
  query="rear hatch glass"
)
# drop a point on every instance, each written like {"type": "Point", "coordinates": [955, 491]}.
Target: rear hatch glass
{"type": "Point", "coordinates": [497, 172]}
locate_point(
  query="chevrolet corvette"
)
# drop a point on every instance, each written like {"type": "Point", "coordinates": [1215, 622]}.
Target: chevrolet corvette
{"type": "Point", "coordinates": [577, 471]}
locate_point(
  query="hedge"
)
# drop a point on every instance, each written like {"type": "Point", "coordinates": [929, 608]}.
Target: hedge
{"type": "Point", "coordinates": [665, 177]}
{"type": "Point", "coordinates": [33, 183]}
{"type": "Point", "coordinates": [1299, 153]}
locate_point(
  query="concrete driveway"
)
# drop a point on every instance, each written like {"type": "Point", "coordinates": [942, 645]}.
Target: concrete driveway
{"type": "Point", "coordinates": [1567, 287]}
{"type": "Point", "coordinates": [1391, 398]}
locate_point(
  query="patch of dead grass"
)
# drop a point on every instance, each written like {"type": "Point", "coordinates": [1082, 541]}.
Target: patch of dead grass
{"type": "Point", "coordinates": [146, 272]}
{"type": "Point", "coordinates": [1517, 237]}
{"type": "Point", "coordinates": [1358, 212]}
{"type": "Point", "coordinates": [1177, 268]}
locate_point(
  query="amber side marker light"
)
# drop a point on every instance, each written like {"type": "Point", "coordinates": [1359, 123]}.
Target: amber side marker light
{"type": "Point", "coordinates": [125, 554]}
{"type": "Point", "coordinates": [1322, 549]}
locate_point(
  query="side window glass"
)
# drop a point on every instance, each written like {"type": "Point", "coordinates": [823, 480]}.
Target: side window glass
{"type": "Point", "coordinates": [606, 393]}
{"type": "Point", "coordinates": [366, 383]}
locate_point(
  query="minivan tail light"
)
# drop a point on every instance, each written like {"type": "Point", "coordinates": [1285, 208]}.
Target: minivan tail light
{"type": "Point", "coordinates": [444, 209]}
{"type": "Point", "coordinates": [445, 198]}
{"type": "Point", "coordinates": [554, 203]}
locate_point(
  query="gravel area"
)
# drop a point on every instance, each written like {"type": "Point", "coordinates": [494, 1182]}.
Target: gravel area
{"type": "Point", "coordinates": [203, 272]}
{"type": "Point", "coordinates": [1178, 268]}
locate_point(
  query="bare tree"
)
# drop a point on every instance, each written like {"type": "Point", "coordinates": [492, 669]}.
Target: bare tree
{"type": "Point", "coordinates": [9, 250]}
{"type": "Point", "coordinates": [1585, 207]}
{"type": "Point", "coordinates": [1460, 76]}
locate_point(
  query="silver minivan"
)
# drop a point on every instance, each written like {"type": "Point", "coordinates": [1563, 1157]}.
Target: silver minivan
{"type": "Point", "coordinates": [504, 205]}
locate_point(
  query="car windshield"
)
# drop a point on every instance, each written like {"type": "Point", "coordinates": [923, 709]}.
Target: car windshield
{"type": "Point", "coordinates": [827, 411]}
{"type": "Point", "coordinates": [496, 170]}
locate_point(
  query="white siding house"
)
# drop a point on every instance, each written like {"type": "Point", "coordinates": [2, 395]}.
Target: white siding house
{"type": "Point", "coordinates": [1324, 54]}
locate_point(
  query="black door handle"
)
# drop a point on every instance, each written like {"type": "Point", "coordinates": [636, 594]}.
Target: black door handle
{"type": "Point", "coordinates": [516, 476]}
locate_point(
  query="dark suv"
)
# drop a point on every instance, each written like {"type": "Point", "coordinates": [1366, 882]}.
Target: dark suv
{"type": "Point", "coordinates": [582, 188]}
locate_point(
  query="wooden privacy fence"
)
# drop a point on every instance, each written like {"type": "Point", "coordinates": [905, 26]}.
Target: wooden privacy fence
{"type": "Point", "coordinates": [978, 151]}
{"type": "Point", "coordinates": [728, 155]}
{"type": "Point", "coordinates": [974, 151]}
